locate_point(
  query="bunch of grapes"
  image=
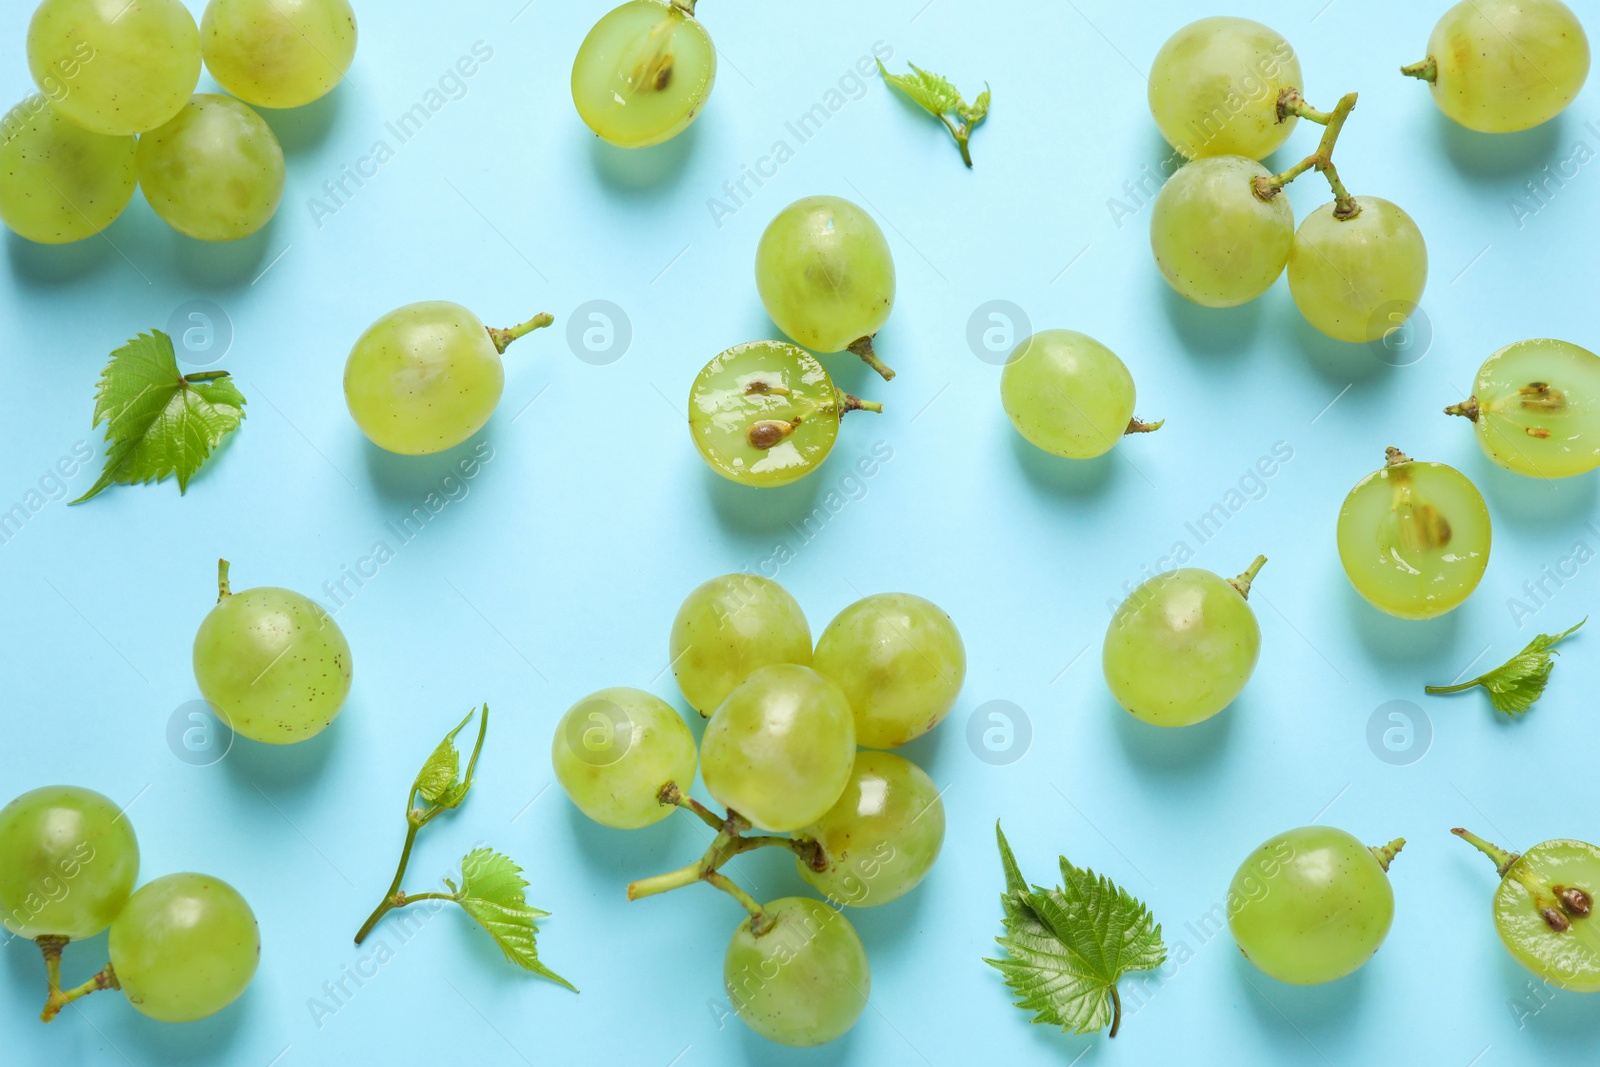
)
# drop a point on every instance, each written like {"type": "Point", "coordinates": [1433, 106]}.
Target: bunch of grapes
{"type": "Point", "coordinates": [780, 755]}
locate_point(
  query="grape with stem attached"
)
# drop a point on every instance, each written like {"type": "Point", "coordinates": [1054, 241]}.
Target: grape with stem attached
{"type": "Point", "coordinates": [644, 72]}
{"type": "Point", "coordinates": [1358, 278]}
{"type": "Point", "coordinates": [278, 53]}
{"type": "Point", "coordinates": [1215, 240]}
{"type": "Point", "coordinates": [68, 861]}
{"type": "Point", "coordinates": [214, 172]}
{"type": "Point", "coordinates": [184, 948]}
{"type": "Point", "coordinates": [58, 181]}
{"type": "Point", "coordinates": [1214, 88]}
{"type": "Point", "coordinates": [615, 750]}
{"type": "Point", "coordinates": [881, 837]}
{"type": "Point", "coordinates": [727, 627]}
{"type": "Point", "coordinates": [1536, 408]}
{"type": "Point", "coordinates": [1069, 394]}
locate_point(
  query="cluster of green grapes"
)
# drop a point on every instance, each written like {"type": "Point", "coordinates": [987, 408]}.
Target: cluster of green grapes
{"type": "Point", "coordinates": [182, 947]}
{"type": "Point", "coordinates": [793, 746]}
{"type": "Point", "coordinates": [117, 110]}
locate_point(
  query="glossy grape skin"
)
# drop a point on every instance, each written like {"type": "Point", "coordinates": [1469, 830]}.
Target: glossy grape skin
{"type": "Point", "coordinates": [215, 172]}
{"type": "Point", "coordinates": [1569, 959]}
{"type": "Point", "coordinates": [1537, 408]}
{"type": "Point", "coordinates": [1216, 242]}
{"type": "Point", "coordinates": [614, 750]}
{"type": "Point", "coordinates": [900, 662]}
{"type": "Point", "coordinates": [1181, 648]}
{"type": "Point", "coordinates": [1067, 393]}
{"type": "Point", "coordinates": [278, 53]}
{"type": "Point", "coordinates": [726, 628]}
{"type": "Point", "coordinates": [185, 947]}
{"type": "Point", "coordinates": [881, 837]}
{"type": "Point", "coordinates": [1358, 279]}
{"type": "Point", "coordinates": [825, 273]}
{"type": "Point", "coordinates": [1414, 538]}
{"type": "Point", "coordinates": [68, 862]}
{"type": "Point", "coordinates": [1507, 65]}
{"type": "Point", "coordinates": [1310, 905]}
{"type": "Point", "coordinates": [643, 73]}
{"type": "Point", "coordinates": [1211, 62]}
{"type": "Point", "coordinates": [780, 748]}
{"type": "Point", "coordinates": [58, 181]}
{"type": "Point", "coordinates": [805, 981]}
{"type": "Point", "coordinates": [115, 67]}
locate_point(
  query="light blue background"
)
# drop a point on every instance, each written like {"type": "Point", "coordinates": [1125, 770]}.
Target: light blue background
{"type": "Point", "coordinates": [557, 569]}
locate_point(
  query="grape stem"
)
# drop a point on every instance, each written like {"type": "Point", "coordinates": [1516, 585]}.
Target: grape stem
{"type": "Point", "coordinates": [58, 998]}
{"type": "Point", "coordinates": [1467, 409]}
{"type": "Point", "coordinates": [1395, 457]}
{"type": "Point", "coordinates": [502, 338]}
{"type": "Point", "coordinates": [1290, 102]}
{"type": "Point", "coordinates": [1385, 854]}
{"type": "Point", "coordinates": [862, 346]}
{"type": "Point", "coordinates": [1136, 426]}
{"type": "Point", "coordinates": [223, 589]}
{"type": "Point", "coordinates": [1243, 582]}
{"type": "Point", "coordinates": [1554, 903]}
{"type": "Point", "coordinates": [1427, 70]}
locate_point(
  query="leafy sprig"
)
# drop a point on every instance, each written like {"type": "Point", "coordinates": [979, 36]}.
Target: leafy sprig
{"type": "Point", "coordinates": [1516, 684]}
{"type": "Point", "coordinates": [935, 95]}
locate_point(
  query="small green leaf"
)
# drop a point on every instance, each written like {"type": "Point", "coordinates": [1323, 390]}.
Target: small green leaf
{"type": "Point", "coordinates": [933, 93]}
{"type": "Point", "coordinates": [492, 893]}
{"type": "Point", "coordinates": [979, 109]}
{"type": "Point", "coordinates": [1517, 684]}
{"type": "Point", "coordinates": [437, 781]}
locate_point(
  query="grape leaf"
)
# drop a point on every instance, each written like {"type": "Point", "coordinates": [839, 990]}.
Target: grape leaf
{"type": "Point", "coordinates": [159, 422]}
{"type": "Point", "coordinates": [492, 893]}
{"type": "Point", "coordinates": [935, 95]}
{"type": "Point", "coordinates": [1067, 948]}
{"type": "Point", "coordinates": [1515, 685]}
{"type": "Point", "coordinates": [437, 781]}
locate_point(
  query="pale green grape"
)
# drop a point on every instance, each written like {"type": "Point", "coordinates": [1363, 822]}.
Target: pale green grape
{"type": "Point", "coordinates": [1414, 537]}
{"type": "Point", "coordinates": [1357, 279]}
{"type": "Point", "coordinates": [1182, 646]}
{"type": "Point", "coordinates": [766, 413]}
{"type": "Point", "coordinates": [115, 66]}
{"type": "Point", "coordinates": [1544, 909]}
{"type": "Point", "coordinates": [185, 947]}
{"type": "Point", "coordinates": [882, 835]}
{"type": "Point", "coordinates": [899, 661]}
{"type": "Point", "coordinates": [278, 53]}
{"type": "Point", "coordinates": [215, 172]}
{"type": "Point", "coordinates": [1215, 240]}
{"type": "Point", "coordinates": [780, 748]}
{"type": "Point", "coordinates": [1498, 66]}
{"type": "Point", "coordinates": [1214, 88]}
{"type": "Point", "coordinates": [272, 663]}
{"type": "Point", "coordinates": [1536, 408]}
{"type": "Point", "coordinates": [1312, 905]}
{"type": "Point", "coordinates": [58, 181]}
{"type": "Point", "coordinates": [68, 860]}
{"type": "Point", "coordinates": [643, 73]}
{"type": "Point", "coordinates": [826, 276]}
{"type": "Point", "coordinates": [729, 626]}
{"type": "Point", "coordinates": [614, 750]}
{"type": "Point", "coordinates": [1068, 394]}
{"type": "Point", "coordinates": [805, 980]}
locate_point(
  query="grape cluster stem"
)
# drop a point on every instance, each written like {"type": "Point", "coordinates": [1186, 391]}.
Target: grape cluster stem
{"type": "Point", "coordinates": [59, 998]}
{"type": "Point", "coordinates": [862, 346]}
{"type": "Point", "coordinates": [1290, 102]}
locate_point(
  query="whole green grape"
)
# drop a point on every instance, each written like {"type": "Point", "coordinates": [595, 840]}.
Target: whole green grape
{"type": "Point", "coordinates": [802, 982]}
{"type": "Point", "coordinates": [58, 181]}
{"type": "Point", "coordinates": [643, 73]}
{"type": "Point", "coordinates": [1217, 242]}
{"type": "Point", "coordinates": [272, 663]}
{"type": "Point", "coordinates": [1357, 279]}
{"type": "Point", "coordinates": [1498, 66]}
{"type": "Point", "coordinates": [68, 861]}
{"type": "Point", "coordinates": [1214, 88]}
{"type": "Point", "coordinates": [766, 413]}
{"type": "Point", "coordinates": [826, 277]}
{"type": "Point", "coordinates": [900, 662]}
{"type": "Point", "coordinates": [215, 172]}
{"type": "Point", "coordinates": [881, 837]}
{"type": "Point", "coordinates": [1069, 394]}
{"type": "Point", "coordinates": [185, 947]}
{"type": "Point", "coordinates": [1182, 646]}
{"type": "Point", "coordinates": [614, 751]}
{"type": "Point", "coordinates": [115, 66]}
{"type": "Point", "coordinates": [278, 53]}
{"type": "Point", "coordinates": [1536, 408]}
{"type": "Point", "coordinates": [1544, 909]}
{"type": "Point", "coordinates": [780, 748]}
{"type": "Point", "coordinates": [729, 626]}
{"type": "Point", "coordinates": [1414, 537]}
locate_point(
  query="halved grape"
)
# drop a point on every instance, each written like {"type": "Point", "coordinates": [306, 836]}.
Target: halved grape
{"type": "Point", "coordinates": [185, 947]}
{"type": "Point", "coordinates": [1069, 394]}
{"type": "Point", "coordinates": [1214, 88]}
{"type": "Point", "coordinates": [643, 72]}
{"type": "Point", "coordinates": [278, 53]}
{"type": "Point", "coordinates": [215, 172]}
{"type": "Point", "coordinates": [726, 628]}
{"type": "Point", "coordinates": [881, 837]}
{"type": "Point", "coordinates": [804, 980]}
{"type": "Point", "coordinates": [614, 750]}
{"type": "Point", "coordinates": [1544, 909]}
{"type": "Point", "coordinates": [68, 861]}
{"type": "Point", "coordinates": [1217, 242]}
{"type": "Point", "coordinates": [58, 181]}
{"type": "Point", "coordinates": [115, 66]}
{"type": "Point", "coordinates": [1357, 279]}
{"type": "Point", "coordinates": [1536, 408]}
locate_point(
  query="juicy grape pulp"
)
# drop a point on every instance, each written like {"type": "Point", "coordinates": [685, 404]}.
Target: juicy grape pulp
{"type": "Point", "coordinates": [1357, 279]}
{"type": "Point", "coordinates": [68, 861]}
{"type": "Point", "coordinates": [805, 981]}
{"type": "Point", "coordinates": [728, 627]}
{"type": "Point", "coordinates": [643, 73]}
{"type": "Point", "coordinates": [1216, 242]}
{"type": "Point", "coordinates": [1536, 408]}
{"type": "Point", "coordinates": [185, 947]}
{"type": "Point", "coordinates": [615, 749]}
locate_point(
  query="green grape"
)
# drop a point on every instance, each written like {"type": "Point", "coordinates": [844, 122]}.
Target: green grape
{"type": "Point", "coordinates": [1312, 905]}
{"type": "Point", "coordinates": [643, 73]}
{"type": "Point", "coordinates": [729, 626]}
{"type": "Point", "coordinates": [1214, 88]}
{"type": "Point", "coordinates": [278, 53]}
{"type": "Point", "coordinates": [58, 181]}
{"type": "Point", "coordinates": [1414, 537]}
{"type": "Point", "coordinates": [1498, 66]}
{"type": "Point", "coordinates": [1217, 242]}
{"type": "Point", "coordinates": [882, 835]}
{"type": "Point", "coordinates": [1544, 909]}
{"type": "Point", "coordinates": [427, 376]}
{"type": "Point", "coordinates": [1069, 394]}
{"type": "Point", "coordinates": [899, 661]}
{"type": "Point", "coordinates": [272, 663]}
{"type": "Point", "coordinates": [766, 413]}
{"type": "Point", "coordinates": [1358, 279]}
{"type": "Point", "coordinates": [803, 981]}
{"type": "Point", "coordinates": [215, 172]}
{"type": "Point", "coordinates": [780, 748]}
{"type": "Point", "coordinates": [826, 276]}
{"type": "Point", "coordinates": [1536, 408]}
{"type": "Point", "coordinates": [1182, 646]}
{"type": "Point", "coordinates": [614, 751]}
{"type": "Point", "coordinates": [68, 860]}
{"type": "Point", "coordinates": [185, 947]}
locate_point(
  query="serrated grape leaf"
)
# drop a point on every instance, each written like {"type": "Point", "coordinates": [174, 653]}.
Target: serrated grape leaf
{"type": "Point", "coordinates": [1516, 684]}
{"type": "Point", "coordinates": [931, 91]}
{"type": "Point", "coordinates": [492, 893]}
{"type": "Point", "coordinates": [159, 423]}
{"type": "Point", "coordinates": [438, 782]}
